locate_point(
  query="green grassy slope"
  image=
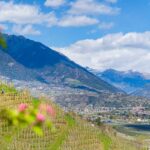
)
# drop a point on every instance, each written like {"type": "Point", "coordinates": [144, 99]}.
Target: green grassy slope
{"type": "Point", "coordinates": [71, 133]}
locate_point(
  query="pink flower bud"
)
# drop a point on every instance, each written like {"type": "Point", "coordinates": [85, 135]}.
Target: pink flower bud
{"type": "Point", "coordinates": [40, 117]}
{"type": "Point", "coordinates": [50, 110]}
{"type": "Point", "coordinates": [22, 107]}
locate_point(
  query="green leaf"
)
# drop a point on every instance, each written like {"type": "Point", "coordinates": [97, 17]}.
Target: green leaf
{"type": "Point", "coordinates": [30, 118]}
{"type": "Point", "coordinates": [38, 130]}
{"type": "Point", "coordinates": [49, 124]}
{"type": "Point", "coordinates": [3, 42]}
{"type": "Point", "coordinates": [36, 103]}
{"type": "Point", "coordinates": [15, 122]}
{"type": "Point", "coordinates": [8, 138]}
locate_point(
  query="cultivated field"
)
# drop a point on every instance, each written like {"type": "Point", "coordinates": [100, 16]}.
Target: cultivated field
{"type": "Point", "coordinates": [71, 133]}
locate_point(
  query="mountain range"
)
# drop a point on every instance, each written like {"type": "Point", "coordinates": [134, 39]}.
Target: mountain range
{"type": "Point", "coordinates": [25, 59]}
{"type": "Point", "coordinates": [31, 65]}
{"type": "Point", "coordinates": [132, 82]}
{"type": "Point", "coordinates": [34, 66]}
{"type": "Point", "coordinates": [143, 92]}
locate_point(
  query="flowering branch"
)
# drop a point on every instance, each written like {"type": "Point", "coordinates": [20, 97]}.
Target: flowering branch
{"type": "Point", "coordinates": [34, 116]}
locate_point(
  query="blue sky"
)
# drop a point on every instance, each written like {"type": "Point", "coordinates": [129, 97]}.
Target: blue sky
{"type": "Point", "coordinates": [133, 16]}
{"type": "Point", "coordinates": [70, 25]}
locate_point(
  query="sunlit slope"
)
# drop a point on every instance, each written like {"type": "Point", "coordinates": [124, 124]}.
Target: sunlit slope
{"type": "Point", "coordinates": [71, 133]}
{"type": "Point", "coordinates": [21, 61]}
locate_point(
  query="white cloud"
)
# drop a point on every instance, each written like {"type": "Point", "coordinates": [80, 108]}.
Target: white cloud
{"type": "Point", "coordinates": [76, 21]}
{"type": "Point", "coordinates": [80, 13]}
{"type": "Point", "coordinates": [91, 7]}
{"type": "Point", "coordinates": [25, 30]}
{"type": "Point", "coordinates": [119, 51]}
{"type": "Point", "coordinates": [112, 1]}
{"type": "Point", "coordinates": [105, 25]}
{"type": "Point", "coordinates": [54, 3]}
{"type": "Point", "coordinates": [85, 13]}
{"type": "Point", "coordinates": [24, 14]}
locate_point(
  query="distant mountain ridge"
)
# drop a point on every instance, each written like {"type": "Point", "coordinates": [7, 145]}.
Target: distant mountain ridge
{"type": "Point", "coordinates": [25, 59]}
{"type": "Point", "coordinates": [143, 92]}
{"type": "Point", "coordinates": [129, 81]}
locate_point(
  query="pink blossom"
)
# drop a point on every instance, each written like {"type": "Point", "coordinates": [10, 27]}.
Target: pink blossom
{"type": "Point", "coordinates": [50, 110]}
{"type": "Point", "coordinates": [22, 107]}
{"type": "Point", "coordinates": [40, 117]}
